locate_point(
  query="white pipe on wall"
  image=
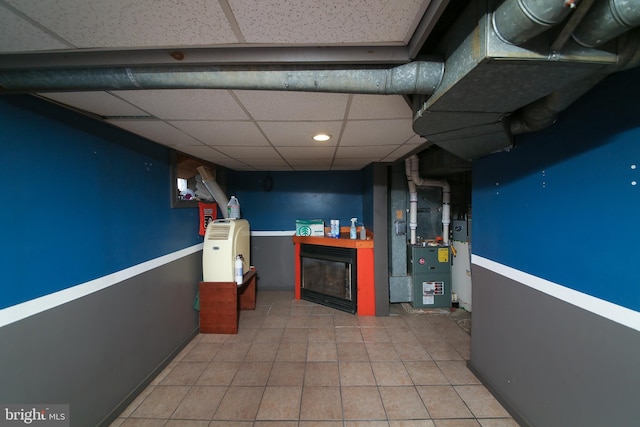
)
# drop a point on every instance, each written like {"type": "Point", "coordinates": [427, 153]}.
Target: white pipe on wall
{"type": "Point", "coordinates": [412, 169]}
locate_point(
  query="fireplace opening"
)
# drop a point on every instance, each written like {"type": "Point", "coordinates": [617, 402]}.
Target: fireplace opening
{"type": "Point", "coordinates": [329, 276]}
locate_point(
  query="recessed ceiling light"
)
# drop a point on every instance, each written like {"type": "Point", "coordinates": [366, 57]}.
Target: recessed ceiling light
{"type": "Point", "coordinates": [321, 137]}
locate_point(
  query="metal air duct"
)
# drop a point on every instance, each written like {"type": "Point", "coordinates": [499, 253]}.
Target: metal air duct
{"type": "Point", "coordinates": [606, 20]}
{"type": "Point", "coordinates": [415, 77]}
{"type": "Point", "coordinates": [517, 21]}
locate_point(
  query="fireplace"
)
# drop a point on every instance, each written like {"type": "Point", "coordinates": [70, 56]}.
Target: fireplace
{"type": "Point", "coordinates": [328, 276]}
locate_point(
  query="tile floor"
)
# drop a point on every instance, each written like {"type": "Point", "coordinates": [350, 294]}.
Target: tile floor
{"type": "Point", "coordinates": [299, 364]}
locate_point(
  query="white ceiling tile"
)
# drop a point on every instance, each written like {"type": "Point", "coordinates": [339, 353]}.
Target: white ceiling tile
{"type": "Point", "coordinates": [223, 133]}
{"type": "Point", "coordinates": [240, 152]}
{"type": "Point", "coordinates": [187, 104]}
{"type": "Point", "coordinates": [127, 23]}
{"type": "Point", "coordinates": [379, 107]}
{"type": "Point", "coordinates": [296, 134]}
{"type": "Point", "coordinates": [203, 152]}
{"type": "Point", "coordinates": [376, 132]}
{"type": "Point", "coordinates": [324, 152]}
{"type": "Point", "coordinates": [327, 21]}
{"type": "Point", "coordinates": [157, 131]}
{"type": "Point", "coordinates": [265, 163]}
{"type": "Point", "coordinates": [372, 152]}
{"type": "Point", "coordinates": [19, 35]}
{"type": "Point", "coordinates": [292, 106]}
{"type": "Point", "coordinates": [99, 103]}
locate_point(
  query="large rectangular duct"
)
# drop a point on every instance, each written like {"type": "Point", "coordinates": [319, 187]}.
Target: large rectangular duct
{"type": "Point", "coordinates": [486, 79]}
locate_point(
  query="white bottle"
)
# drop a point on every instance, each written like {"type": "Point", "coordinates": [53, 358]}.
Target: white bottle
{"type": "Point", "coordinates": [233, 208]}
{"type": "Point", "coordinates": [353, 234]}
{"type": "Point", "coordinates": [238, 270]}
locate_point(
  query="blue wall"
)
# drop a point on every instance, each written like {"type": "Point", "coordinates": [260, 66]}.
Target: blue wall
{"type": "Point", "coordinates": [562, 204]}
{"type": "Point", "coordinates": [298, 195]}
{"type": "Point", "coordinates": [81, 200]}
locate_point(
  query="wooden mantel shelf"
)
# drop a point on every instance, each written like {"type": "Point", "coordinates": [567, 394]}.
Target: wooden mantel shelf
{"type": "Point", "coordinates": [343, 242]}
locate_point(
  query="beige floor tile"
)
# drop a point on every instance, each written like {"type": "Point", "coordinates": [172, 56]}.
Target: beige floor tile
{"type": "Point", "coordinates": [321, 374]}
{"type": "Point", "coordinates": [441, 351]}
{"type": "Point", "coordinates": [322, 334]}
{"type": "Point", "coordinates": [457, 372]}
{"type": "Point", "coordinates": [298, 321]}
{"type": "Point", "coordinates": [295, 335]}
{"type": "Point", "coordinates": [252, 374]}
{"type": "Point", "coordinates": [143, 422]}
{"type": "Point", "coordinates": [287, 374]}
{"type": "Point", "coordinates": [463, 348]}
{"type": "Point", "coordinates": [382, 351]}
{"type": "Point", "coordinates": [219, 373]}
{"type": "Point", "coordinates": [321, 403]}
{"type": "Point", "coordinates": [481, 403]}
{"type": "Point", "coordinates": [345, 319]}
{"type": "Point", "coordinates": [369, 321]}
{"type": "Point", "coordinates": [320, 424]}
{"type": "Point", "coordinates": [213, 338]}
{"type": "Point", "coordinates": [354, 351]}
{"type": "Point", "coordinates": [348, 334]}
{"type": "Point", "coordinates": [280, 403]}
{"type": "Point", "coordinates": [321, 322]}
{"type": "Point", "coordinates": [425, 373]}
{"type": "Point", "coordinates": [322, 352]}
{"type": "Point", "coordinates": [278, 423]}
{"type": "Point", "coordinates": [411, 351]}
{"type": "Point", "coordinates": [295, 363]}
{"type": "Point", "coordinates": [200, 403]}
{"type": "Point", "coordinates": [239, 403]}
{"type": "Point", "coordinates": [375, 334]}
{"type": "Point", "coordinates": [402, 335]}
{"type": "Point", "coordinates": [292, 352]}
{"type": "Point", "coordinates": [232, 351]}
{"type": "Point", "coordinates": [403, 403]}
{"type": "Point", "coordinates": [262, 351]}
{"type": "Point", "coordinates": [268, 335]}
{"type": "Point", "coordinates": [390, 374]}
{"type": "Point", "coordinates": [457, 423]}
{"type": "Point", "coordinates": [498, 422]}
{"type": "Point", "coordinates": [244, 335]}
{"type": "Point", "coordinates": [185, 373]}
{"type": "Point", "coordinates": [411, 423]}
{"type": "Point", "coordinates": [203, 352]}
{"type": "Point", "coordinates": [443, 402]}
{"type": "Point", "coordinates": [376, 423]}
{"type": "Point", "coordinates": [356, 374]}
{"type": "Point", "coordinates": [137, 401]}
{"type": "Point", "coordinates": [161, 402]}
{"type": "Point", "coordinates": [187, 423]}
{"type": "Point", "coordinates": [275, 321]}
{"type": "Point", "coordinates": [362, 403]}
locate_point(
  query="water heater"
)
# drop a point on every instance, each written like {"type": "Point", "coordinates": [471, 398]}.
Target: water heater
{"type": "Point", "coordinates": [224, 239]}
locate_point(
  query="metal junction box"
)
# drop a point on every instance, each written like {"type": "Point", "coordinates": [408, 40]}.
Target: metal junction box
{"type": "Point", "coordinates": [431, 276]}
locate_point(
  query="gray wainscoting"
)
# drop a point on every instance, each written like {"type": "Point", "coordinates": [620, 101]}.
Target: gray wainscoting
{"type": "Point", "coordinates": [550, 362]}
{"type": "Point", "coordinates": [97, 352]}
{"type": "Point", "coordinates": [274, 259]}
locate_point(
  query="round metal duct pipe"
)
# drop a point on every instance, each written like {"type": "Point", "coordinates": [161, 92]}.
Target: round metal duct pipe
{"type": "Point", "coordinates": [606, 20]}
{"type": "Point", "coordinates": [517, 21]}
{"type": "Point", "coordinates": [420, 77]}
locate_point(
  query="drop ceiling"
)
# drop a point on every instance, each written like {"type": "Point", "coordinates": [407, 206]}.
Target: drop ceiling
{"type": "Point", "coordinates": [245, 130]}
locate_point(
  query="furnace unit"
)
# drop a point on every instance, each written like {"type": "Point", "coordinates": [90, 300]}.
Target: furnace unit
{"type": "Point", "coordinates": [431, 275]}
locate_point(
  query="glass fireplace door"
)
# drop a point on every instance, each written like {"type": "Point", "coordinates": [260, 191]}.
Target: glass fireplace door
{"type": "Point", "coordinates": [329, 276]}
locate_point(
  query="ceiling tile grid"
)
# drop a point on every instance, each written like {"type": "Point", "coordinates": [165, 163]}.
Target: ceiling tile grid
{"type": "Point", "coordinates": [239, 129]}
